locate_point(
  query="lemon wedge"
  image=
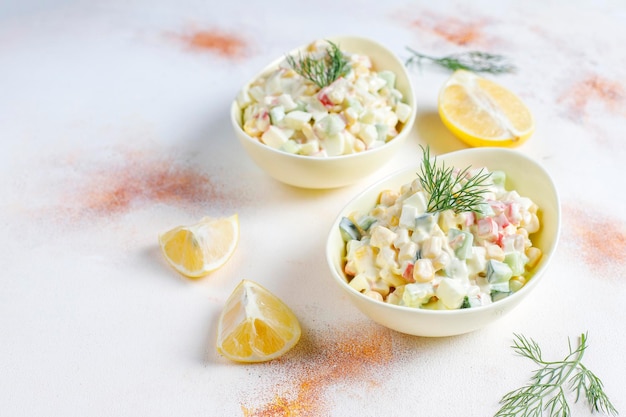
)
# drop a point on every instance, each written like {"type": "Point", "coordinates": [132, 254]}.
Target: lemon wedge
{"type": "Point", "coordinates": [255, 325]}
{"type": "Point", "coordinates": [483, 113]}
{"type": "Point", "coordinates": [201, 248]}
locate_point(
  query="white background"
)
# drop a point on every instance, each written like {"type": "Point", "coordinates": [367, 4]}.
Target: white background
{"type": "Point", "coordinates": [103, 99]}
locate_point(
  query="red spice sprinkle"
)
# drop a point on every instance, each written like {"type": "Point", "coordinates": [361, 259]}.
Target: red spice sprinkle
{"type": "Point", "coordinates": [602, 240]}
{"type": "Point", "coordinates": [594, 88]}
{"type": "Point", "coordinates": [226, 45]}
{"type": "Point", "coordinates": [453, 30]}
{"type": "Point", "coordinates": [116, 190]}
{"type": "Point", "coordinates": [354, 356]}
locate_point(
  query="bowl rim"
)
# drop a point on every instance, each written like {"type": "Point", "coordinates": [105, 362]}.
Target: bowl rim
{"type": "Point", "coordinates": [498, 305]}
{"type": "Point", "coordinates": [408, 95]}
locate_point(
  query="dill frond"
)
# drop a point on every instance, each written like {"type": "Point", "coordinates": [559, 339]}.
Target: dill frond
{"type": "Point", "coordinates": [320, 71]}
{"type": "Point", "coordinates": [449, 189]}
{"type": "Point", "coordinates": [475, 61]}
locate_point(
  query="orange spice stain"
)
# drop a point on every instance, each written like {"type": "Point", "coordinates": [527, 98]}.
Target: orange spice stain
{"type": "Point", "coordinates": [601, 239]}
{"type": "Point", "coordinates": [353, 356]}
{"type": "Point", "coordinates": [594, 88]}
{"type": "Point", "coordinates": [136, 181]}
{"type": "Point", "coordinates": [453, 30]}
{"type": "Point", "coordinates": [221, 43]}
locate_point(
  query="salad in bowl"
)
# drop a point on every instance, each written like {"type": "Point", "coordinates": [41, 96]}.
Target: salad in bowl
{"type": "Point", "coordinates": [449, 245]}
{"type": "Point", "coordinates": [326, 114]}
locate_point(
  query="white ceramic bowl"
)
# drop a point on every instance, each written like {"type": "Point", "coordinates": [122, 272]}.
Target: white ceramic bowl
{"type": "Point", "coordinates": [331, 172]}
{"type": "Point", "coordinates": [524, 175]}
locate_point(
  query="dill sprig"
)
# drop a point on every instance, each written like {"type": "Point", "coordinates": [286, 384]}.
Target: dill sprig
{"type": "Point", "coordinates": [450, 189]}
{"type": "Point", "coordinates": [321, 71]}
{"type": "Point", "coordinates": [546, 389]}
{"type": "Point", "coordinates": [475, 61]}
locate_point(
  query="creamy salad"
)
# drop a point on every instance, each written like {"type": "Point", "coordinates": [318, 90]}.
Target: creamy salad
{"type": "Point", "coordinates": [360, 110]}
{"type": "Point", "coordinates": [401, 254]}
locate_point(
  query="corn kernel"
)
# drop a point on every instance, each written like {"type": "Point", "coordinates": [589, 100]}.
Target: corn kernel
{"type": "Point", "coordinates": [388, 197]}
{"type": "Point", "coordinates": [423, 270]}
{"type": "Point", "coordinates": [534, 255]}
{"type": "Point", "coordinates": [516, 283]}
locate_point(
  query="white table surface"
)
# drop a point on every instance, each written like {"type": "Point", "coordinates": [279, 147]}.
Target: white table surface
{"type": "Point", "coordinates": [114, 127]}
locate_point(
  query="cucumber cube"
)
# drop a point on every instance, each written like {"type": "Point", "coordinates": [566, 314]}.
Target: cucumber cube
{"type": "Point", "coordinates": [498, 272]}
{"type": "Point", "coordinates": [389, 77]}
{"type": "Point", "coordinates": [498, 177]}
{"type": "Point", "coordinates": [515, 261]}
{"type": "Point", "coordinates": [348, 230]}
{"type": "Point", "coordinates": [461, 241]}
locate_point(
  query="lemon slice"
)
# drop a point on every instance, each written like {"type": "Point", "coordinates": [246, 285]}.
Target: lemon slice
{"type": "Point", "coordinates": [198, 249]}
{"type": "Point", "coordinates": [255, 325]}
{"type": "Point", "coordinates": [483, 113]}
